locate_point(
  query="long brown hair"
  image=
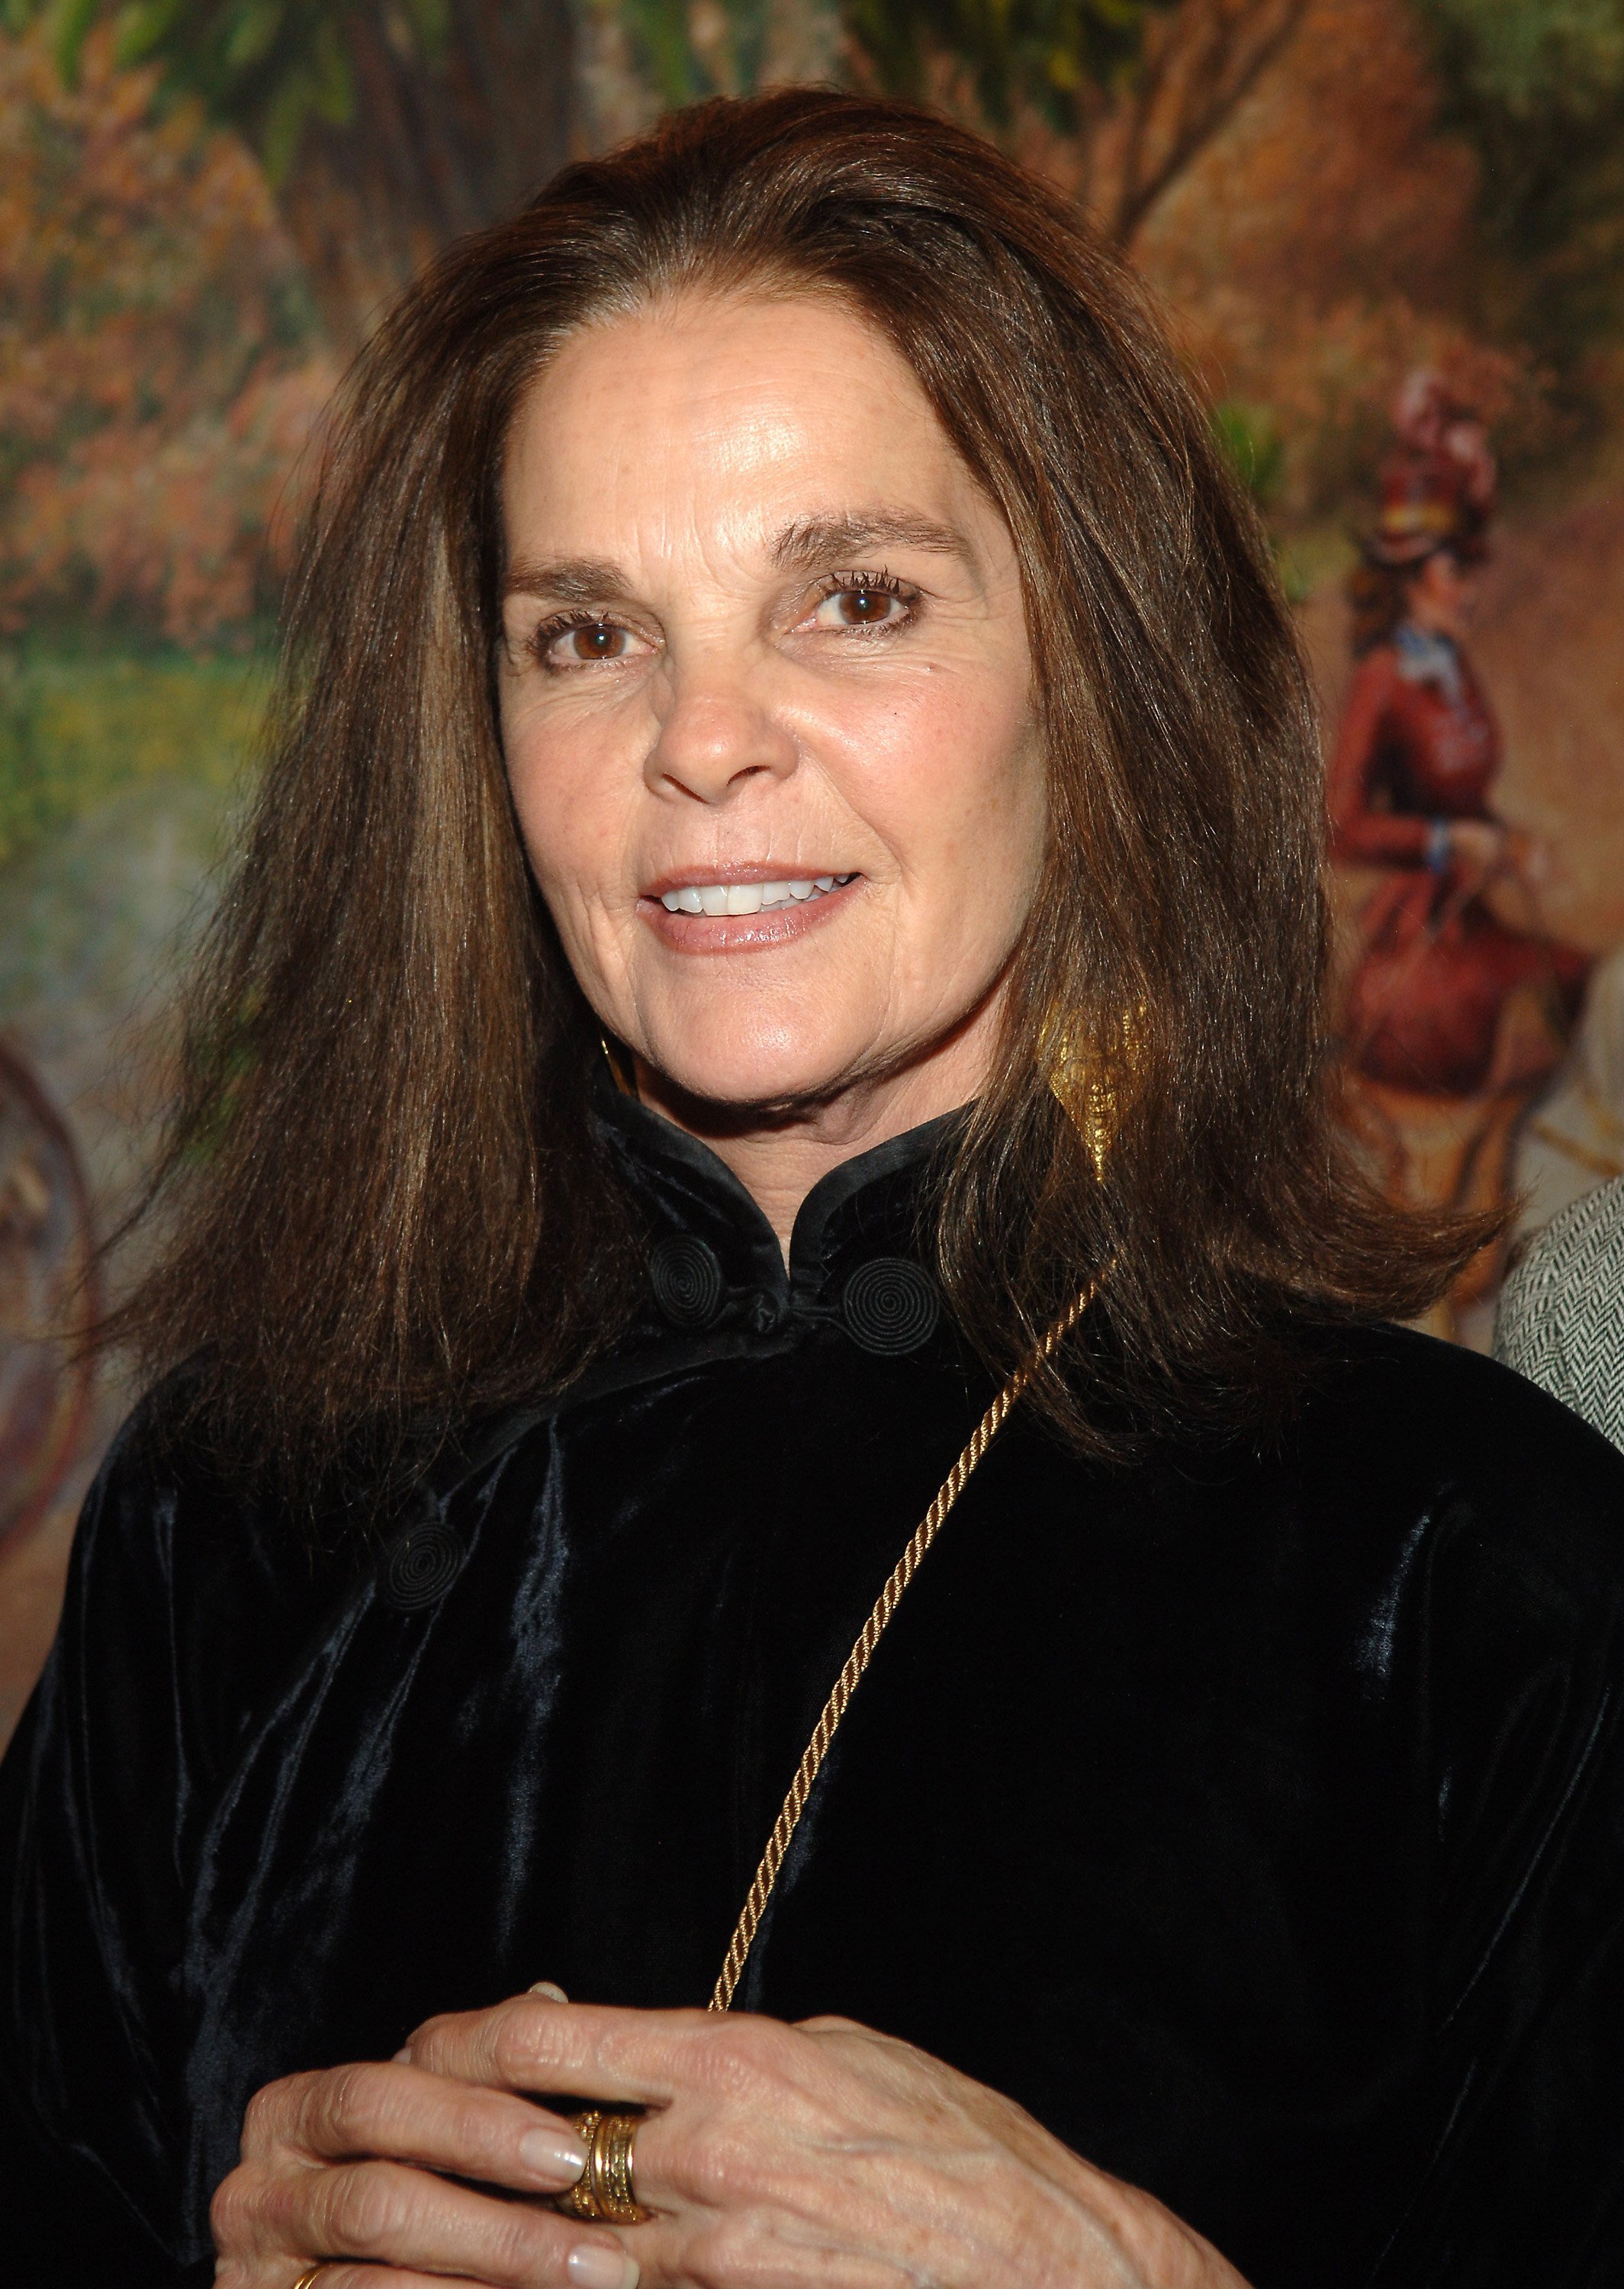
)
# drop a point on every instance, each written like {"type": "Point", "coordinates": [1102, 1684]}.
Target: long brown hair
{"type": "Point", "coordinates": [1379, 597]}
{"type": "Point", "coordinates": [384, 1189]}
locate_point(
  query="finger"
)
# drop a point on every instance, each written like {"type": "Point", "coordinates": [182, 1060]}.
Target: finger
{"type": "Point", "coordinates": [388, 2215]}
{"type": "Point", "coordinates": [529, 2043]}
{"type": "Point", "coordinates": [766, 2252]}
{"type": "Point", "coordinates": [411, 2115]}
{"type": "Point", "coordinates": [377, 2276]}
{"type": "Point", "coordinates": [343, 2274]}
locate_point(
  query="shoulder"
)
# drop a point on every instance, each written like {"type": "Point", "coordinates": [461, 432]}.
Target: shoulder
{"type": "Point", "coordinates": [1426, 1447]}
{"type": "Point", "coordinates": [1434, 1411]}
{"type": "Point", "coordinates": [1561, 1311]}
{"type": "Point", "coordinates": [159, 1480]}
{"type": "Point", "coordinates": [186, 1576]}
{"type": "Point", "coordinates": [1374, 677]}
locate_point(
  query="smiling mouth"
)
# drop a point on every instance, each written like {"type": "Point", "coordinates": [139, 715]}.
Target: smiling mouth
{"type": "Point", "coordinates": [729, 899]}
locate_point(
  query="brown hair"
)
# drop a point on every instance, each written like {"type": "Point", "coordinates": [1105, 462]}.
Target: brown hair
{"type": "Point", "coordinates": [386, 1188]}
{"type": "Point", "coordinates": [1379, 596]}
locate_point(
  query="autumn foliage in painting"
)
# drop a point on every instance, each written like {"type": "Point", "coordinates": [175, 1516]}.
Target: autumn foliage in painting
{"type": "Point", "coordinates": [1326, 246]}
{"type": "Point", "coordinates": [158, 375]}
{"type": "Point", "coordinates": [1314, 186]}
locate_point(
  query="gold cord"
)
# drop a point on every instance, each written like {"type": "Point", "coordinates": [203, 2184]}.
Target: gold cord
{"type": "Point", "coordinates": [857, 1660]}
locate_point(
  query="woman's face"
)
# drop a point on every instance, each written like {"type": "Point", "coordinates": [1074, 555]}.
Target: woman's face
{"type": "Point", "coordinates": [765, 702]}
{"type": "Point", "coordinates": [1443, 593]}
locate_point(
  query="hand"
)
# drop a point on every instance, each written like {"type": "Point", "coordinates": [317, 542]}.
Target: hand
{"type": "Point", "coordinates": [1480, 848]}
{"type": "Point", "coordinates": [825, 2155]}
{"type": "Point", "coordinates": [340, 2165]}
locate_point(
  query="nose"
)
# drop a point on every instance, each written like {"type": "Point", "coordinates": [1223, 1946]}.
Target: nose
{"type": "Point", "coordinates": [716, 735]}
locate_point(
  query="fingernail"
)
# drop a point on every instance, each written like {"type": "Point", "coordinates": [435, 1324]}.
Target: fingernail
{"type": "Point", "coordinates": [402, 2058]}
{"type": "Point", "coordinates": [558, 2155]}
{"type": "Point", "coordinates": [550, 1989]}
{"type": "Point", "coordinates": [591, 2266]}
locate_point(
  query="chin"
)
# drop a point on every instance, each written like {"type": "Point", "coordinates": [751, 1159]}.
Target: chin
{"type": "Point", "coordinates": [729, 1070]}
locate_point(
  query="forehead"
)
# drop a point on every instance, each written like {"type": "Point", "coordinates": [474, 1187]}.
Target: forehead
{"type": "Point", "coordinates": [706, 411]}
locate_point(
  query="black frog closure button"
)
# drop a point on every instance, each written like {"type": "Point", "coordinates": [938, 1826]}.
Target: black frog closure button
{"type": "Point", "coordinates": [687, 1282]}
{"type": "Point", "coordinates": [421, 1562]}
{"type": "Point", "coordinates": [890, 1305]}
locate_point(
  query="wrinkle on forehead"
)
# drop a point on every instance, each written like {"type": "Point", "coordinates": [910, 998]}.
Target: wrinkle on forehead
{"type": "Point", "coordinates": [717, 460]}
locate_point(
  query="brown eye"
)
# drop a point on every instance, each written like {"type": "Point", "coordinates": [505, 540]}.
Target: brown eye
{"type": "Point", "coordinates": [857, 604]}
{"type": "Point", "coordinates": [584, 644]}
{"type": "Point", "coordinates": [597, 640]}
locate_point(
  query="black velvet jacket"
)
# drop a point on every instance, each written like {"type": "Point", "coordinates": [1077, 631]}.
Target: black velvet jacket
{"type": "Point", "coordinates": [1254, 1818]}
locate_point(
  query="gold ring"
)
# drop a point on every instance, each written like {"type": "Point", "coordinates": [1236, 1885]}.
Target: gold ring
{"type": "Point", "coordinates": [603, 2192]}
{"type": "Point", "coordinates": [306, 2280]}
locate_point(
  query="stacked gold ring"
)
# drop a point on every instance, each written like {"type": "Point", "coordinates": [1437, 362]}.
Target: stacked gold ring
{"type": "Point", "coordinates": [603, 2192]}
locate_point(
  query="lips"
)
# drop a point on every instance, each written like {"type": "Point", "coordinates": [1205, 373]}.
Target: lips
{"type": "Point", "coordinates": [740, 916]}
{"type": "Point", "coordinates": [717, 900]}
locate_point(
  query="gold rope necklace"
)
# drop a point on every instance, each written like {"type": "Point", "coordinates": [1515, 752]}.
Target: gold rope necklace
{"type": "Point", "coordinates": [863, 1652]}
{"type": "Point", "coordinates": [1092, 1111]}
{"type": "Point", "coordinates": [604, 2192]}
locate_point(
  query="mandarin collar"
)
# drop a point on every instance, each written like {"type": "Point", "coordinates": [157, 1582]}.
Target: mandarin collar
{"type": "Point", "coordinates": [718, 1288]}
{"type": "Point", "coordinates": [714, 1260]}
{"type": "Point", "coordinates": [1428, 656]}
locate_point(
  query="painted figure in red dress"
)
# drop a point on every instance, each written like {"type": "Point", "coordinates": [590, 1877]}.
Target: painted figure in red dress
{"type": "Point", "coordinates": [1411, 780]}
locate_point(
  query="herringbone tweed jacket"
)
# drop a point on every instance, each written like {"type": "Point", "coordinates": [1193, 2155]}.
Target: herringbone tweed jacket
{"type": "Point", "coordinates": [1561, 1320]}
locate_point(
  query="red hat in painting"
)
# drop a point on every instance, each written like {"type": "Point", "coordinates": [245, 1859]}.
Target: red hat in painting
{"type": "Point", "coordinates": [1437, 483]}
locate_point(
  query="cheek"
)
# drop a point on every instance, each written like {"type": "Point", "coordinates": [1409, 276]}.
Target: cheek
{"type": "Point", "coordinates": [568, 799]}
{"type": "Point", "coordinates": [954, 784]}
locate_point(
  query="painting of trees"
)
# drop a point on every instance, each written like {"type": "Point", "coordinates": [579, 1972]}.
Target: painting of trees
{"type": "Point", "coordinates": [1466, 160]}
{"type": "Point", "coordinates": [1129, 91]}
{"type": "Point", "coordinates": [1537, 88]}
{"type": "Point", "coordinates": [158, 370]}
{"type": "Point", "coordinates": [385, 127]}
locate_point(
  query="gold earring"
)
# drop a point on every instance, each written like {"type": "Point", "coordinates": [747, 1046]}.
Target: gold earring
{"type": "Point", "coordinates": [1088, 1087]}
{"type": "Point", "coordinates": [620, 1069]}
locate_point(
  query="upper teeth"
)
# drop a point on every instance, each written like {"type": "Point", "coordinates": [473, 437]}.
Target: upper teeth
{"type": "Point", "coordinates": [744, 898]}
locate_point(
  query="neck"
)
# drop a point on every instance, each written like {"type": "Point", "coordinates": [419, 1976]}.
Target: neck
{"type": "Point", "coordinates": [779, 1153]}
{"type": "Point", "coordinates": [1434, 624]}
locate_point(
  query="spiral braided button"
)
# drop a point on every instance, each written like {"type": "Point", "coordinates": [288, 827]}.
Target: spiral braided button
{"type": "Point", "coordinates": [890, 1305]}
{"type": "Point", "coordinates": [421, 1566]}
{"type": "Point", "coordinates": [687, 1282]}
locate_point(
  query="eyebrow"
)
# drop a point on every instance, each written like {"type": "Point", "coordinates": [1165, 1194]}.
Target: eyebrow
{"type": "Point", "coordinates": [572, 579]}
{"type": "Point", "coordinates": [835, 539]}
{"type": "Point", "coordinates": [822, 539]}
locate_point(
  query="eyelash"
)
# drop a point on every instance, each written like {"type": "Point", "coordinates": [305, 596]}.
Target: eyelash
{"type": "Point", "coordinates": [871, 583]}
{"type": "Point", "coordinates": [563, 624]}
{"type": "Point", "coordinates": [867, 583]}
{"type": "Point", "coordinates": [836, 584]}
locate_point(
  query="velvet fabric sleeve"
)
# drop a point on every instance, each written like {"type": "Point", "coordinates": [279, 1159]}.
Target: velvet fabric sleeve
{"type": "Point", "coordinates": [93, 1796]}
{"type": "Point", "coordinates": [102, 1796]}
{"type": "Point", "coordinates": [1526, 1701]}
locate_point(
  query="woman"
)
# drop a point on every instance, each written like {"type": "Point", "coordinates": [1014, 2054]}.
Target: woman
{"type": "Point", "coordinates": [782, 930]}
{"type": "Point", "coordinates": [1410, 783]}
